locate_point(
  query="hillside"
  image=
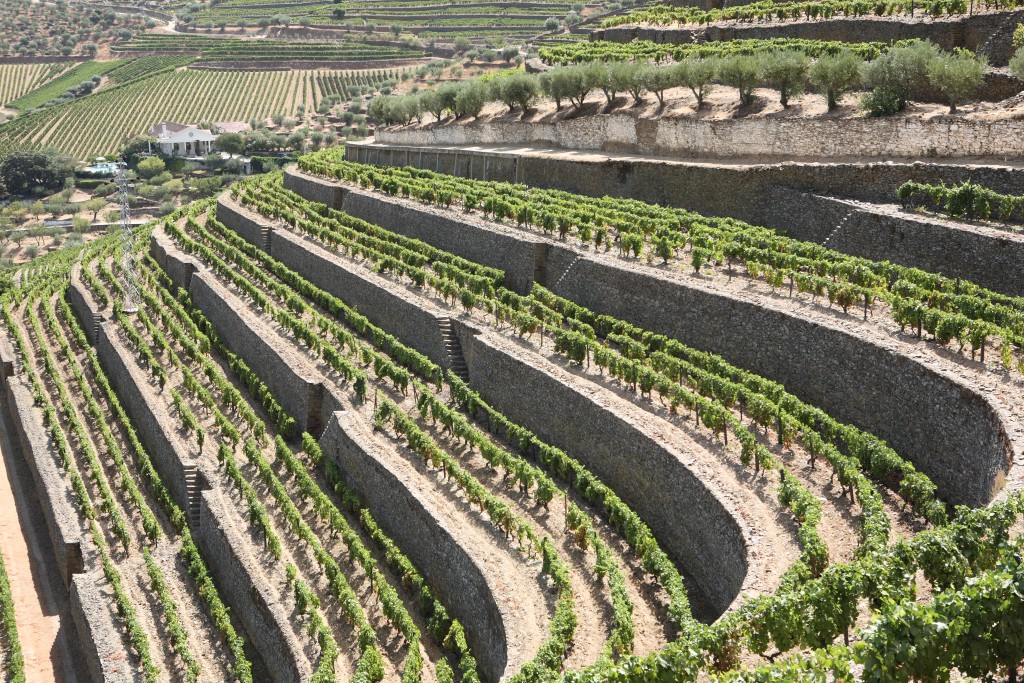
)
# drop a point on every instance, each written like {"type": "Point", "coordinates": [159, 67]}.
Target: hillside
{"type": "Point", "coordinates": [690, 349]}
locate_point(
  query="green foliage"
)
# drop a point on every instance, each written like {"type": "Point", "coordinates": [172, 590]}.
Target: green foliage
{"type": "Point", "coordinates": [742, 72]}
{"type": "Point", "coordinates": [957, 75]}
{"type": "Point", "coordinates": [786, 71]}
{"type": "Point", "coordinates": [835, 75]}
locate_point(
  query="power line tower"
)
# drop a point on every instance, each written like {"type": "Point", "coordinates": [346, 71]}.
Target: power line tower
{"type": "Point", "coordinates": [129, 271]}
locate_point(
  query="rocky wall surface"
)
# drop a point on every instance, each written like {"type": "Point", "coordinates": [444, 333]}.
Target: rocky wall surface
{"type": "Point", "coordinates": [106, 654]}
{"type": "Point", "coordinates": [948, 429]}
{"type": "Point", "coordinates": [51, 485]}
{"type": "Point", "coordinates": [790, 197]}
{"type": "Point", "coordinates": [298, 387]}
{"type": "Point", "coordinates": [989, 31]}
{"type": "Point", "coordinates": [383, 302]}
{"type": "Point", "coordinates": [777, 138]}
{"type": "Point", "coordinates": [424, 535]}
{"type": "Point", "coordinates": [171, 456]}
{"type": "Point", "coordinates": [990, 257]}
{"type": "Point", "coordinates": [243, 585]}
{"type": "Point", "coordinates": [622, 445]}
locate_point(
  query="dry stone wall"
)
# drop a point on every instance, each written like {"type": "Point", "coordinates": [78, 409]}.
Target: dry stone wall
{"type": "Point", "coordinates": [50, 483]}
{"type": "Point", "coordinates": [790, 197]}
{"type": "Point", "coordinates": [623, 445]}
{"type": "Point", "coordinates": [751, 138]}
{"type": "Point", "coordinates": [990, 257]}
{"type": "Point", "coordinates": [301, 390]}
{"type": "Point", "coordinates": [948, 429]}
{"type": "Point", "coordinates": [244, 586]}
{"type": "Point", "coordinates": [988, 31]}
{"type": "Point", "coordinates": [424, 535]}
{"type": "Point", "coordinates": [171, 456]}
{"type": "Point", "coordinates": [106, 654]}
{"type": "Point", "coordinates": [385, 304]}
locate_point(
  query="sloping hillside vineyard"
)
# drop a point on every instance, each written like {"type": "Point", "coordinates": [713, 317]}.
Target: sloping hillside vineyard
{"type": "Point", "coordinates": [614, 343]}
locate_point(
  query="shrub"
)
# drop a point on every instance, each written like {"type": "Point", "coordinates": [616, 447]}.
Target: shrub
{"type": "Point", "coordinates": [1017, 64]}
{"type": "Point", "coordinates": [835, 75]}
{"type": "Point", "coordinates": [957, 75]}
{"type": "Point", "coordinates": [743, 73]}
{"type": "Point", "coordinates": [551, 24]}
{"type": "Point", "coordinates": [786, 71]}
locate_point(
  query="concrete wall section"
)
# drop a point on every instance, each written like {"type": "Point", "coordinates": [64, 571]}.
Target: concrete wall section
{"type": "Point", "coordinates": [55, 497]}
{"type": "Point", "coordinates": [106, 654]}
{"type": "Point", "coordinates": [242, 583]}
{"type": "Point", "coordinates": [782, 138]}
{"type": "Point", "coordinates": [425, 536]}
{"type": "Point", "coordinates": [619, 444]}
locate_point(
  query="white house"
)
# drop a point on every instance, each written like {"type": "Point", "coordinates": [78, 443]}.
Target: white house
{"type": "Point", "coordinates": [179, 140]}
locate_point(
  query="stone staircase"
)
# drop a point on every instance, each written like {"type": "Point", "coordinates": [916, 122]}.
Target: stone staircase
{"type": "Point", "coordinates": [453, 348]}
{"type": "Point", "coordinates": [566, 272]}
{"type": "Point", "coordinates": [839, 227]}
{"type": "Point", "coordinates": [193, 492]}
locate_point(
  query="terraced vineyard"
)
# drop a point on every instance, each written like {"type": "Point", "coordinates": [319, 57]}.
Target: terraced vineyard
{"type": "Point", "coordinates": [325, 449]}
{"type": "Point", "coordinates": [438, 20]}
{"type": "Point", "coordinates": [234, 49]}
{"type": "Point", "coordinates": [82, 127]}
{"type": "Point", "coordinates": [18, 79]}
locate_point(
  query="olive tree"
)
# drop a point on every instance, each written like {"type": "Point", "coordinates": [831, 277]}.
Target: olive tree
{"type": "Point", "coordinates": [786, 71]}
{"type": "Point", "coordinates": [743, 73]}
{"type": "Point", "coordinates": [697, 75]}
{"type": "Point", "coordinates": [957, 75]}
{"type": "Point", "coordinates": [835, 75]}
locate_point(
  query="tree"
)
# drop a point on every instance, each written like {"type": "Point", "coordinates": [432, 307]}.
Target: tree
{"type": "Point", "coordinates": [786, 71]}
{"type": "Point", "coordinates": [94, 206]}
{"type": "Point", "coordinates": [835, 75]}
{"type": "Point", "coordinates": [471, 98]}
{"type": "Point", "coordinates": [232, 143]}
{"type": "Point", "coordinates": [957, 75]}
{"type": "Point", "coordinates": [893, 76]}
{"type": "Point", "coordinates": [150, 166]}
{"type": "Point", "coordinates": [113, 217]}
{"type": "Point", "coordinates": [509, 52]}
{"type": "Point", "coordinates": [551, 24]}
{"type": "Point", "coordinates": [462, 44]}
{"type": "Point", "coordinates": [515, 89]}
{"type": "Point", "coordinates": [695, 74]}
{"type": "Point", "coordinates": [656, 79]}
{"type": "Point", "coordinates": [338, 13]}
{"type": "Point", "coordinates": [80, 225]}
{"type": "Point", "coordinates": [431, 102]}
{"type": "Point", "coordinates": [23, 172]}
{"type": "Point", "coordinates": [743, 73]}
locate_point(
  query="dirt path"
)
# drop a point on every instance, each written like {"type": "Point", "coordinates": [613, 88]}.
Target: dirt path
{"type": "Point", "coordinates": [48, 637]}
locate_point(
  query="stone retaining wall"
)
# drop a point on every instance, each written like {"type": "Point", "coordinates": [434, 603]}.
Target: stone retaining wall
{"type": "Point", "coordinates": [781, 138]}
{"type": "Point", "coordinates": [242, 583]}
{"type": "Point", "coordinates": [990, 31]}
{"type": "Point", "coordinates": [789, 197]}
{"type": "Point", "coordinates": [106, 654]}
{"type": "Point", "coordinates": [300, 389]}
{"type": "Point", "coordinates": [171, 456]}
{"type": "Point", "coordinates": [990, 257]}
{"type": "Point", "coordinates": [50, 483]}
{"type": "Point", "coordinates": [949, 430]}
{"type": "Point", "coordinates": [384, 303]}
{"type": "Point", "coordinates": [424, 535]}
{"type": "Point", "coordinates": [622, 445]}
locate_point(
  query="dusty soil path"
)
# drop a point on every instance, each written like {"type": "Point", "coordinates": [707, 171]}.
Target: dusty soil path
{"type": "Point", "coordinates": [47, 633]}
